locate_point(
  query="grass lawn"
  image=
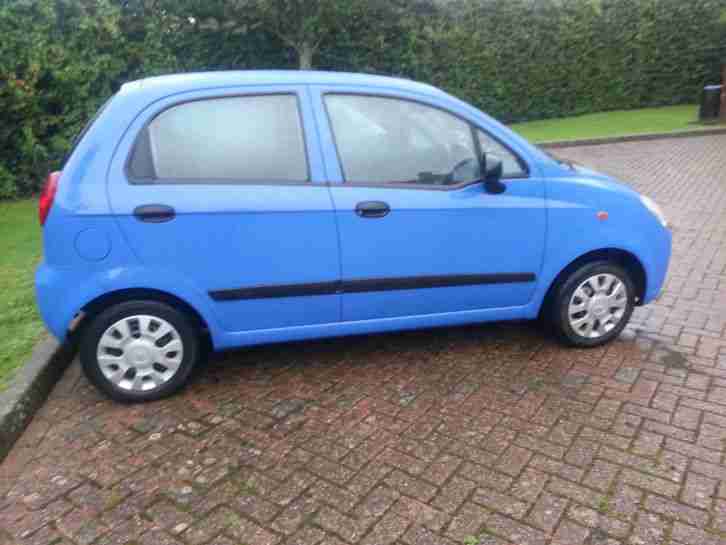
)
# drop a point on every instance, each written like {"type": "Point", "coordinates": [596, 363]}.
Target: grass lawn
{"type": "Point", "coordinates": [20, 248]}
{"type": "Point", "coordinates": [616, 123]}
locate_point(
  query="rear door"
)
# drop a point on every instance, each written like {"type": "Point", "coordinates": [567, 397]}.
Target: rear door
{"type": "Point", "coordinates": [222, 190]}
{"type": "Point", "coordinates": [419, 234]}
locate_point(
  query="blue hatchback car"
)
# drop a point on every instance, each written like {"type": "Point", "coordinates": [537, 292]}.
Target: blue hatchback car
{"type": "Point", "coordinates": [264, 206]}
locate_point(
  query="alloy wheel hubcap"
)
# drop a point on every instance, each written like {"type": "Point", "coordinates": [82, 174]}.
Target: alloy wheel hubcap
{"type": "Point", "coordinates": [598, 305]}
{"type": "Point", "coordinates": [140, 353]}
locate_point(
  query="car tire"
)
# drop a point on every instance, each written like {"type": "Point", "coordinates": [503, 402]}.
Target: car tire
{"type": "Point", "coordinates": [139, 351]}
{"type": "Point", "coordinates": [592, 305]}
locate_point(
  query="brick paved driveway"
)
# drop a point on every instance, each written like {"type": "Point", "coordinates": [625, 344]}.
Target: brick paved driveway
{"type": "Point", "coordinates": [487, 434]}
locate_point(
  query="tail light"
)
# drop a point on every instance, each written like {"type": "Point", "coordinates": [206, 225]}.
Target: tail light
{"type": "Point", "coordinates": [47, 196]}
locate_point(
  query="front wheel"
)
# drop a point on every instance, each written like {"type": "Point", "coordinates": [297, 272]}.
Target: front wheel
{"type": "Point", "coordinates": [139, 350]}
{"type": "Point", "coordinates": [592, 305]}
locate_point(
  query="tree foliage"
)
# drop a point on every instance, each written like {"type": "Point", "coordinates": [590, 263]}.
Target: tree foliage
{"type": "Point", "coordinates": [516, 59]}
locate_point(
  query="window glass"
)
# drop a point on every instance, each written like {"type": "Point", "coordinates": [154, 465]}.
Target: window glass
{"type": "Point", "coordinates": [238, 139]}
{"type": "Point", "coordinates": [511, 167]}
{"type": "Point", "coordinates": [388, 140]}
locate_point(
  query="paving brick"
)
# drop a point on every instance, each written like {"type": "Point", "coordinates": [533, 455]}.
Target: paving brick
{"type": "Point", "coordinates": [719, 516]}
{"type": "Point", "coordinates": [367, 478]}
{"type": "Point", "coordinates": [337, 523]}
{"type": "Point", "coordinates": [561, 469]}
{"type": "Point", "coordinates": [485, 476]}
{"type": "Point", "coordinates": [80, 527]}
{"type": "Point", "coordinates": [606, 438]}
{"type": "Point", "coordinates": [694, 536]}
{"type": "Point", "coordinates": [376, 504]}
{"type": "Point", "coordinates": [649, 528]}
{"type": "Point", "coordinates": [698, 490]}
{"type": "Point", "coordinates": [715, 471]}
{"type": "Point", "coordinates": [333, 495]}
{"type": "Point", "coordinates": [453, 494]}
{"type": "Point", "coordinates": [676, 510]}
{"type": "Point", "coordinates": [529, 485]}
{"type": "Point", "coordinates": [601, 475]}
{"type": "Point", "coordinates": [669, 431]}
{"type": "Point", "coordinates": [469, 521]}
{"type": "Point", "coordinates": [670, 470]}
{"type": "Point", "coordinates": [599, 523]}
{"type": "Point", "coordinates": [570, 533]}
{"type": "Point", "coordinates": [295, 514]}
{"type": "Point", "coordinates": [502, 503]}
{"type": "Point", "coordinates": [411, 486]}
{"type": "Point", "coordinates": [168, 516]}
{"type": "Point", "coordinates": [575, 492]}
{"type": "Point", "coordinates": [387, 530]}
{"type": "Point", "coordinates": [693, 451]}
{"type": "Point", "coordinates": [157, 537]}
{"type": "Point", "coordinates": [515, 531]}
{"type": "Point", "coordinates": [625, 501]}
{"type": "Point", "coordinates": [420, 513]}
{"type": "Point", "coordinates": [402, 461]}
{"type": "Point", "coordinates": [253, 534]}
{"type": "Point", "coordinates": [647, 444]}
{"type": "Point", "coordinates": [420, 535]}
{"type": "Point", "coordinates": [539, 445]}
{"type": "Point", "coordinates": [306, 536]}
{"type": "Point", "coordinates": [547, 511]}
{"type": "Point", "coordinates": [650, 483]}
{"type": "Point", "coordinates": [441, 469]}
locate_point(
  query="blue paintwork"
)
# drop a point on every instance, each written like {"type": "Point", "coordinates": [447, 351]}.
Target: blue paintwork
{"type": "Point", "coordinates": [432, 232]}
{"type": "Point", "coordinates": [237, 236]}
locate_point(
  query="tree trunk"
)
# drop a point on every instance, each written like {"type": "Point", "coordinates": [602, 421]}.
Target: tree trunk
{"type": "Point", "coordinates": [305, 53]}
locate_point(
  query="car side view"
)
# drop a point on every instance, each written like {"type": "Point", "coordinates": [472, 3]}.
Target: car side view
{"type": "Point", "coordinates": [266, 206]}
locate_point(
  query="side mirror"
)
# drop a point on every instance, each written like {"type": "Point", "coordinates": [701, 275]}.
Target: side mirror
{"type": "Point", "coordinates": [492, 167]}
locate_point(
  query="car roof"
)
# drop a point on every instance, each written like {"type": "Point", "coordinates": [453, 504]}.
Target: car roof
{"type": "Point", "coordinates": [176, 83]}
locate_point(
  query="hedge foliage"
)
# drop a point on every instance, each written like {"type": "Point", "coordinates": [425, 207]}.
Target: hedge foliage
{"type": "Point", "coordinates": [516, 59]}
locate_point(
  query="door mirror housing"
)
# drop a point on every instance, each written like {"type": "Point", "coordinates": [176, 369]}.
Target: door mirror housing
{"type": "Point", "coordinates": [492, 168]}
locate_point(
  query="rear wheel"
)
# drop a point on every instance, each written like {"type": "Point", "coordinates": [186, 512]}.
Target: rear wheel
{"type": "Point", "coordinates": [139, 350]}
{"type": "Point", "coordinates": [593, 304]}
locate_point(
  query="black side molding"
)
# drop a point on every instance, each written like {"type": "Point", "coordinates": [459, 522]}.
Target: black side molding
{"type": "Point", "coordinates": [370, 285]}
{"type": "Point", "coordinates": [268, 292]}
{"type": "Point", "coordinates": [421, 282]}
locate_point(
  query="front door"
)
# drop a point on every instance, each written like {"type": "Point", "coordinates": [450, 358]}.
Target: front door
{"type": "Point", "coordinates": [419, 234]}
{"type": "Point", "coordinates": [222, 195]}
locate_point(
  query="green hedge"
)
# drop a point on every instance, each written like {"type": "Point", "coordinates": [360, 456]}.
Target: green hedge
{"type": "Point", "coordinates": [516, 59]}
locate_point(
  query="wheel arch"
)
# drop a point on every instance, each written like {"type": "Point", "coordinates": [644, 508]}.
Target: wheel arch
{"type": "Point", "coordinates": [625, 259]}
{"type": "Point", "coordinates": [106, 300]}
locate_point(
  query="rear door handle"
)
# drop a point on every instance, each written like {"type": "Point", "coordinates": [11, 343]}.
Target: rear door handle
{"type": "Point", "coordinates": [372, 209]}
{"type": "Point", "coordinates": [154, 213]}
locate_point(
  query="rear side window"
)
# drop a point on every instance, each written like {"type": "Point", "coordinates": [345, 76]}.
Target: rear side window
{"type": "Point", "coordinates": [225, 140]}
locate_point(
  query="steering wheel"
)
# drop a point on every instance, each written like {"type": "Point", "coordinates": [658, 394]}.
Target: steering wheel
{"type": "Point", "coordinates": [450, 178]}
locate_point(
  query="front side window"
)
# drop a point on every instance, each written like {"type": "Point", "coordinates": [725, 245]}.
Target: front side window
{"type": "Point", "coordinates": [383, 140]}
{"type": "Point", "coordinates": [236, 139]}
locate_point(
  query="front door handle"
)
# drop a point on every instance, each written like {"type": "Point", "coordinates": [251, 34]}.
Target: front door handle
{"type": "Point", "coordinates": [372, 209]}
{"type": "Point", "coordinates": [154, 213]}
